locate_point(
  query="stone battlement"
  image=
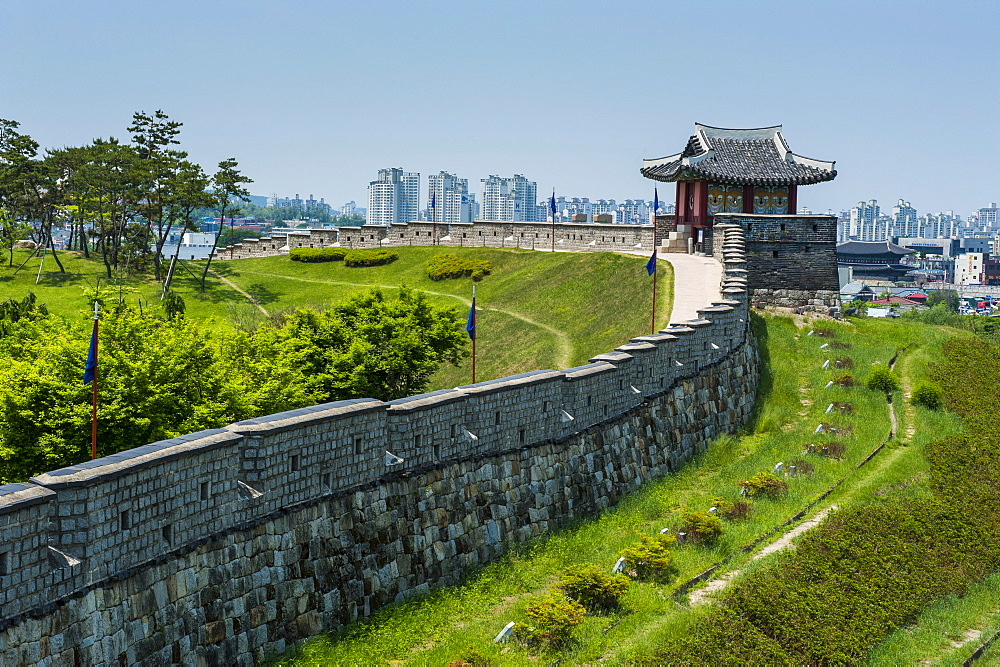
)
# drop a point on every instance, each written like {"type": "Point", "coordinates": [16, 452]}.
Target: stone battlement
{"type": "Point", "coordinates": [222, 546]}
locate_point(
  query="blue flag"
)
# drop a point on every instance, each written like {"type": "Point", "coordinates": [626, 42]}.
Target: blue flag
{"type": "Point", "coordinates": [90, 370]}
{"type": "Point", "coordinates": [470, 326]}
{"type": "Point", "coordinates": [433, 199]}
{"type": "Point", "coordinates": [656, 201]}
{"type": "Point", "coordinates": [651, 264]}
{"type": "Point", "coordinates": [552, 205]}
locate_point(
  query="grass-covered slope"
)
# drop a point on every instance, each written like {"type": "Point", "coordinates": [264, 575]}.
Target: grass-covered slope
{"type": "Point", "coordinates": [460, 622]}
{"type": "Point", "coordinates": [536, 309]}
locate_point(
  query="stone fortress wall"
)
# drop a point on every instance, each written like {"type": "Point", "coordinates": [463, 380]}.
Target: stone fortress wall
{"type": "Point", "coordinates": [228, 545]}
{"type": "Point", "coordinates": [482, 233]}
{"type": "Point", "coordinates": [791, 259]}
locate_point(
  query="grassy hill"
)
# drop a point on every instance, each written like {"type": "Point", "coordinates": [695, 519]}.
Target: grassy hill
{"type": "Point", "coordinates": [458, 623]}
{"type": "Point", "coordinates": [537, 309]}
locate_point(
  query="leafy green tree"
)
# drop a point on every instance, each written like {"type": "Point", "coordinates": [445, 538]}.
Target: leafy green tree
{"type": "Point", "coordinates": [948, 297]}
{"type": "Point", "coordinates": [11, 231]}
{"type": "Point", "coordinates": [375, 347]}
{"type": "Point", "coordinates": [228, 189]}
{"type": "Point", "coordinates": [230, 236]}
{"type": "Point", "coordinates": [159, 379]}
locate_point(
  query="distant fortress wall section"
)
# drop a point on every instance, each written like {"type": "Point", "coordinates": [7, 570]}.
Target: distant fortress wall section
{"type": "Point", "coordinates": [791, 260]}
{"type": "Point", "coordinates": [479, 234]}
{"type": "Point", "coordinates": [229, 545]}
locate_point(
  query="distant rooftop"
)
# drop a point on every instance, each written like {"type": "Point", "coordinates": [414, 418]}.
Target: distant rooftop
{"type": "Point", "coordinates": [872, 248]}
{"type": "Point", "coordinates": [758, 156]}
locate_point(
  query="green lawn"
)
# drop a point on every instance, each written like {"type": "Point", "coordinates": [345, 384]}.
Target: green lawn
{"type": "Point", "coordinates": [537, 309]}
{"type": "Point", "coordinates": [455, 622]}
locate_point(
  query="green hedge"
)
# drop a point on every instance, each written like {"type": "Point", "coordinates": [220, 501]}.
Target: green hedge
{"type": "Point", "coordinates": [441, 267]}
{"type": "Point", "coordinates": [869, 569]}
{"type": "Point", "coordinates": [370, 257]}
{"type": "Point", "coordinates": [317, 254]}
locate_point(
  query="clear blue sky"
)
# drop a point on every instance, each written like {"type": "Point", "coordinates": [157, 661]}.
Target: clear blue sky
{"type": "Point", "coordinates": [314, 97]}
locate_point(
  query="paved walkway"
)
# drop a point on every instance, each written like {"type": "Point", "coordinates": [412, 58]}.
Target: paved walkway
{"type": "Point", "coordinates": [696, 284]}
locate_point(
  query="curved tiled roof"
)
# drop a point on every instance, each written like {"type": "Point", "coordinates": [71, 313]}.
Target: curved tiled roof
{"type": "Point", "coordinates": [757, 156]}
{"type": "Point", "coordinates": [872, 248]}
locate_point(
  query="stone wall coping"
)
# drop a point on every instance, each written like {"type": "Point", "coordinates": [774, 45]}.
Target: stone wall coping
{"type": "Point", "coordinates": [612, 357]}
{"type": "Point", "coordinates": [284, 421]}
{"type": "Point", "coordinates": [309, 233]}
{"type": "Point", "coordinates": [699, 322]}
{"type": "Point", "coordinates": [635, 347]}
{"type": "Point", "coordinates": [733, 290]}
{"type": "Point", "coordinates": [132, 460]}
{"type": "Point", "coordinates": [519, 380]}
{"type": "Point", "coordinates": [677, 330]}
{"type": "Point", "coordinates": [653, 338]}
{"type": "Point", "coordinates": [428, 400]}
{"type": "Point", "coordinates": [14, 497]}
{"type": "Point", "coordinates": [578, 372]}
{"type": "Point", "coordinates": [716, 309]}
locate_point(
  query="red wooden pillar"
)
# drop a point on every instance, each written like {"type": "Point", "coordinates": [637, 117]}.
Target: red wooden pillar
{"type": "Point", "coordinates": [700, 203]}
{"type": "Point", "coordinates": [793, 199]}
{"type": "Point", "coordinates": [748, 199]}
{"type": "Point", "coordinates": [680, 202]}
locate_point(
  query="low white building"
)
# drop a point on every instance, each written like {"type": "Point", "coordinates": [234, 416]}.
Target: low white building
{"type": "Point", "coordinates": [194, 245]}
{"type": "Point", "coordinates": [969, 268]}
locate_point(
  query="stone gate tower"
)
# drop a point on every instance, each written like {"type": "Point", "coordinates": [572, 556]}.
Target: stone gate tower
{"type": "Point", "coordinates": [750, 178]}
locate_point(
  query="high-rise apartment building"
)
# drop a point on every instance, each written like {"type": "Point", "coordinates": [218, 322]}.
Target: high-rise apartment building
{"type": "Point", "coordinates": [349, 208]}
{"type": "Point", "coordinates": [904, 220]}
{"type": "Point", "coordinates": [393, 197]}
{"type": "Point", "coordinates": [864, 222]}
{"type": "Point", "coordinates": [509, 198]}
{"type": "Point", "coordinates": [988, 218]}
{"type": "Point", "coordinates": [452, 201]}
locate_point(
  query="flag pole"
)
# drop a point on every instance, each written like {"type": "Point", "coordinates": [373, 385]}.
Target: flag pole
{"type": "Point", "coordinates": [656, 202]}
{"type": "Point", "coordinates": [434, 217]}
{"type": "Point", "coordinates": [473, 315]}
{"type": "Point", "coordinates": [552, 210]}
{"type": "Point", "coordinates": [93, 401]}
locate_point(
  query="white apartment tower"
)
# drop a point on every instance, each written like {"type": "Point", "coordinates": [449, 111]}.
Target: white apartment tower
{"type": "Point", "coordinates": [904, 220]}
{"type": "Point", "coordinates": [393, 197]}
{"type": "Point", "coordinates": [864, 222]}
{"type": "Point", "coordinates": [452, 201]}
{"type": "Point", "coordinates": [511, 199]}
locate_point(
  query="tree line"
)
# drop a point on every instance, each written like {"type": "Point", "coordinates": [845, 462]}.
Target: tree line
{"type": "Point", "coordinates": [163, 375]}
{"type": "Point", "coordinates": [119, 200]}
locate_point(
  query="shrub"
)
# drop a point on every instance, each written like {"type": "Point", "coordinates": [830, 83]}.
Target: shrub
{"type": "Point", "coordinates": [702, 527]}
{"type": "Point", "coordinates": [441, 267]}
{"type": "Point", "coordinates": [552, 618]}
{"type": "Point", "coordinates": [880, 378]}
{"type": "Point", "coordinates": [802, 467]}
{"type": "Point", "coordinates": [376, 257]}
{"type": "Point", "coordinates": [845, 380]}
{"type": "Point", "coordinates": [927, 395]}
{"type": "Point", "coordinates": [593, 588]}
{"type": "Point", "coordinates": [651, 559]}
{"type": "Point", "coordinates": [764, 484]}
{"type": "Point", "coordinates": [317, 254]}
{"type": "Point", "coordinates": [471, 656]}
{"type": "Point", "coordinates": [737, 511]}
{"type": "Point", "coordinates": [831, 450]}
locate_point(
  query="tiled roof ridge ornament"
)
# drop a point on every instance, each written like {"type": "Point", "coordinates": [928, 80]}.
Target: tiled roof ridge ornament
{"type": "Point", "coordinates": [742, 156]}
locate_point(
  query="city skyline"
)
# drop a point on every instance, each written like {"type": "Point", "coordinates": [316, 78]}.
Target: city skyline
{"type": "Point", "coordinates": [312, 94]}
